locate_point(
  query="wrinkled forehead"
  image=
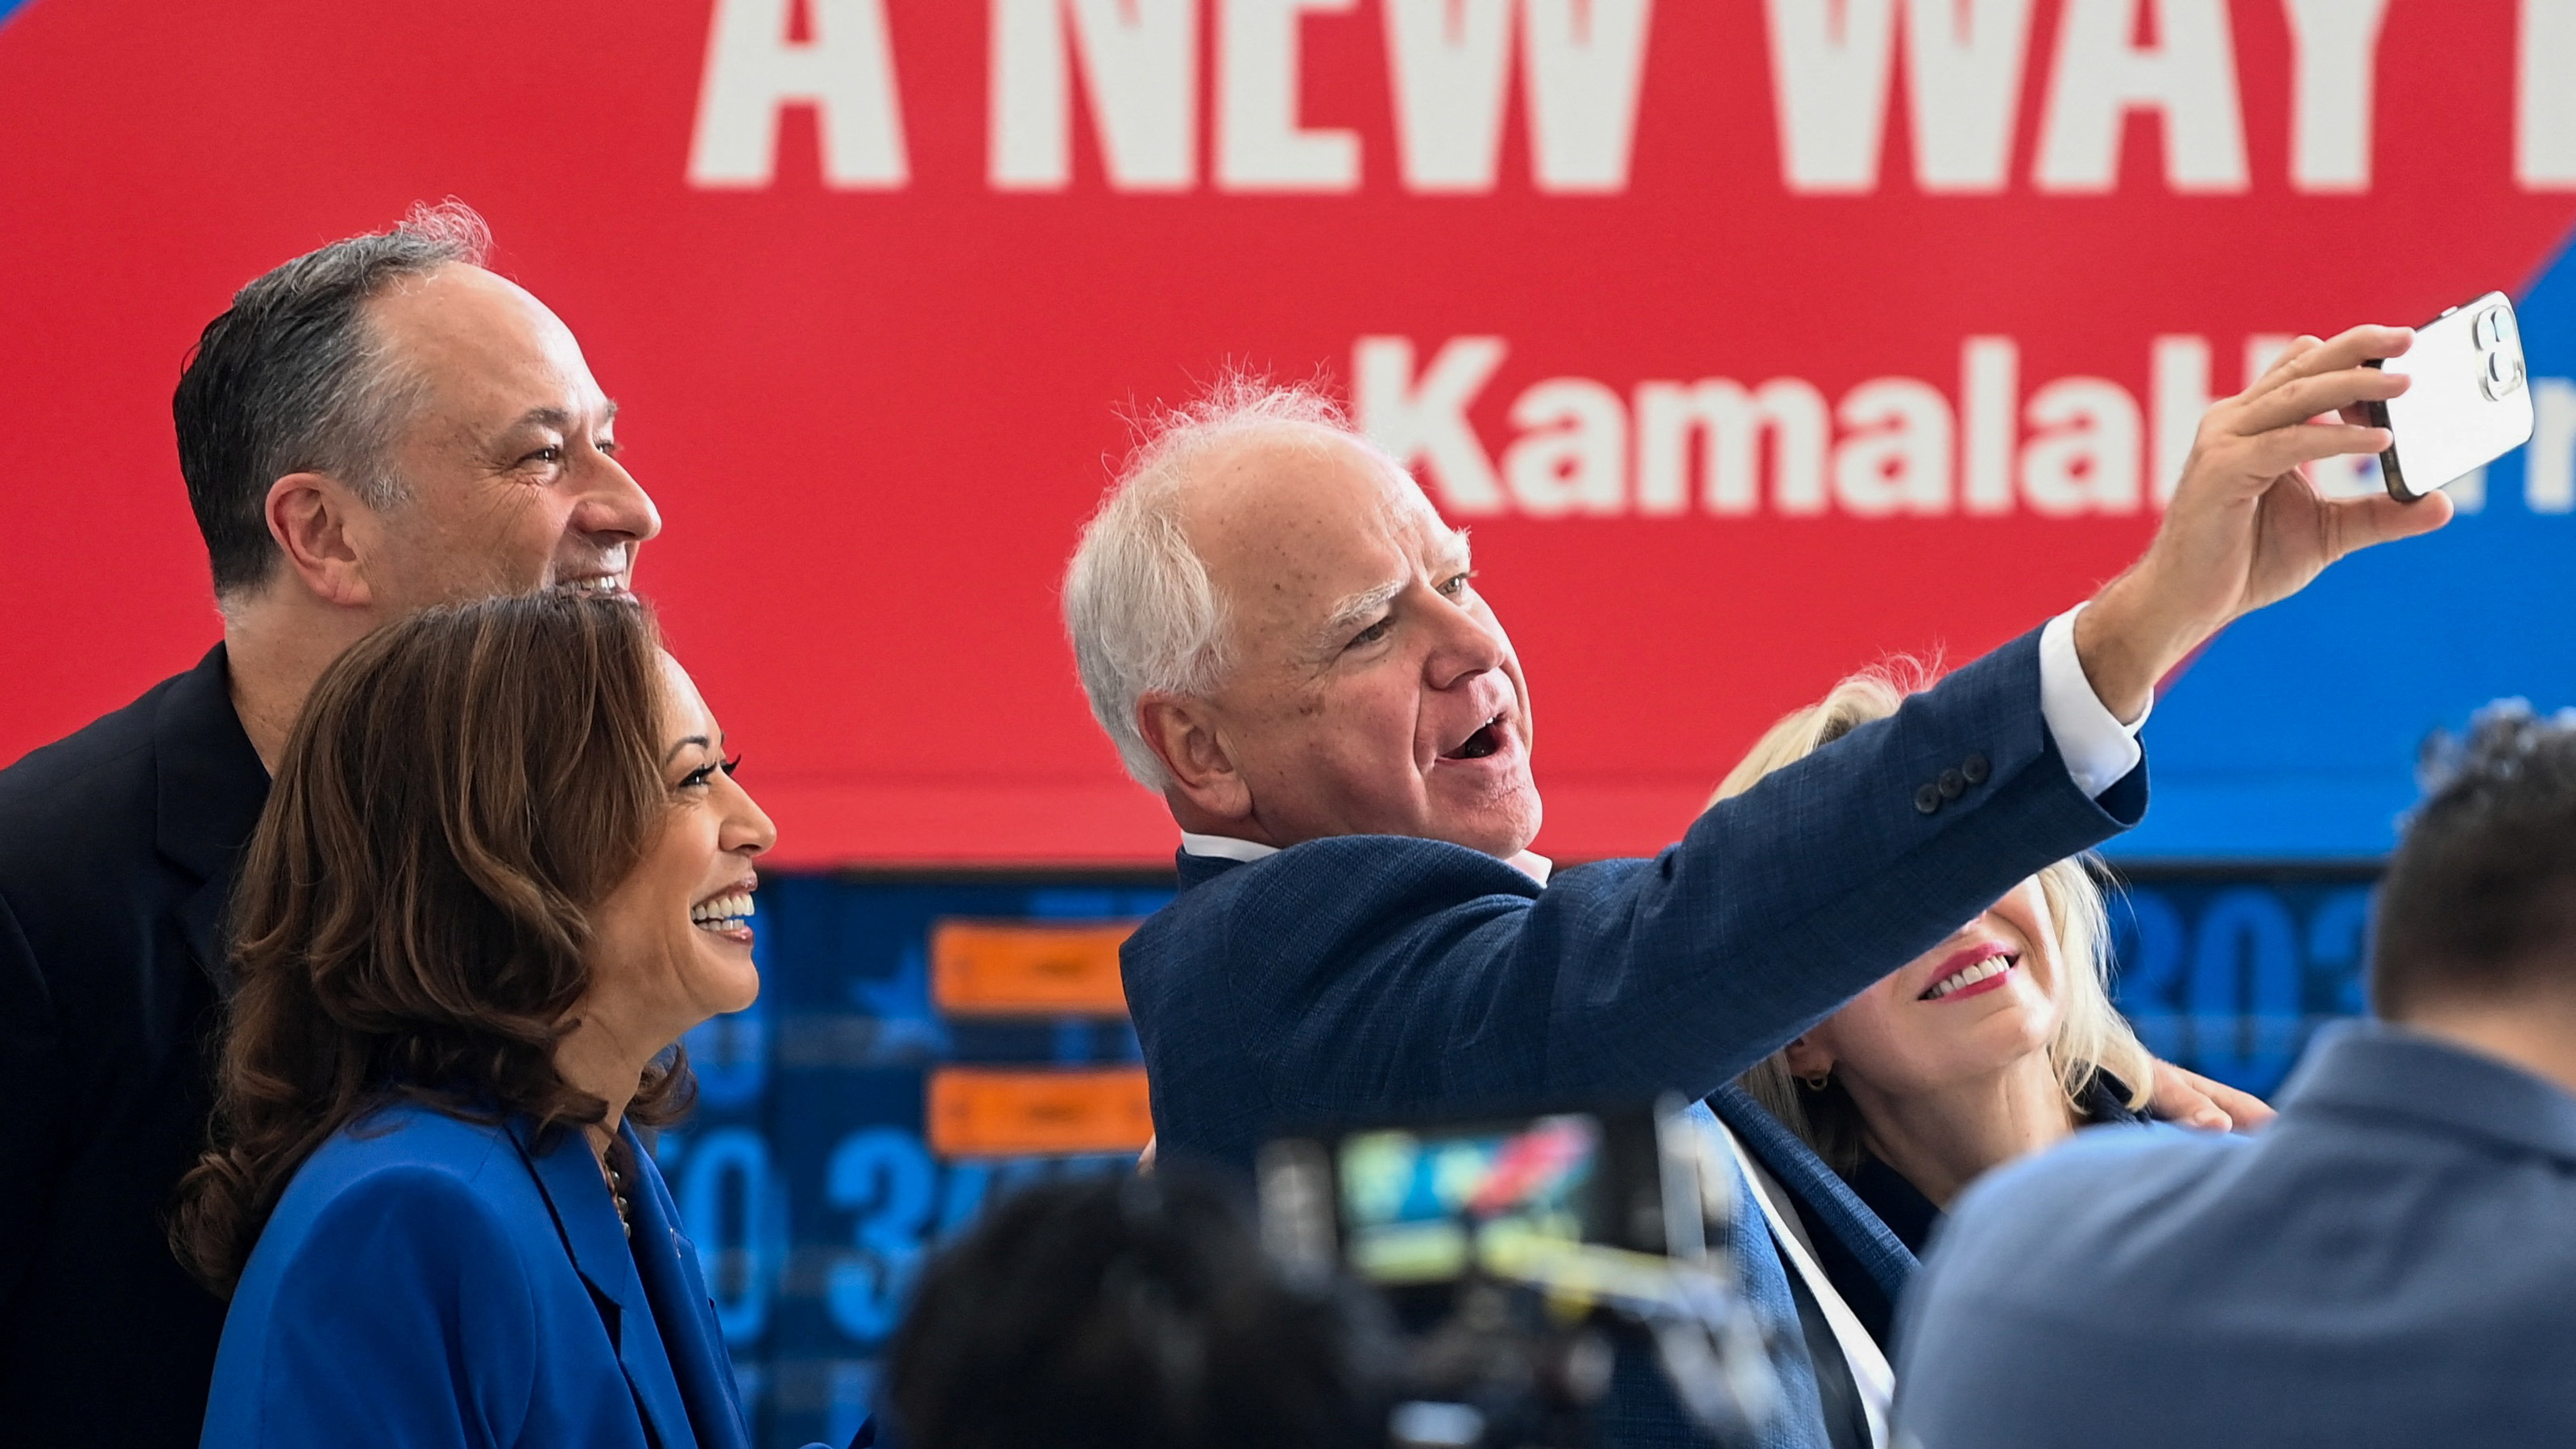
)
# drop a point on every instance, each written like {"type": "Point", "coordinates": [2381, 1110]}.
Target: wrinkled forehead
{"type": "Point", "coordinates": [470, 334]}
{"type": "Point", "coordinates": [1292, 521]}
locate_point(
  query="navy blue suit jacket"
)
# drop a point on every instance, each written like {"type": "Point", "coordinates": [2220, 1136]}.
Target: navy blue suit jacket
{"type": "Point", "coordinates": [2389, 1263]}
{"type": "Point", "coordinates": [1869, 1265]}
{"type": "Point", "coordinates": [438, 1283]}
{"type": "Point", "coordinates": [1357, 978]}
{"type": "Point", "coordinates": [117, 848]}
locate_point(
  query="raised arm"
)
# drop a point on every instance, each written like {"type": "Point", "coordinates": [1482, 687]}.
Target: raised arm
{"type": "Point", "coordinates": [1388, 976]}
{"type": "Point", "coordinates": [2246, 528]}
{"type": "Point", "coordinates": [1782, 903]}
{"type": "Point", "coordinates": [1451, 982]}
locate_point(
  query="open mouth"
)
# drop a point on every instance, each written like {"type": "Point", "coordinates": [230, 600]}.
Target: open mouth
{"type": "Point", "coordinates": [724, 915]}
{"type": "Point", "coordinates": [606, 584]}
{"type": "Point", "coordinates": [1486, 740]}
{"type": "Point", "coordinates": [1971, 977]}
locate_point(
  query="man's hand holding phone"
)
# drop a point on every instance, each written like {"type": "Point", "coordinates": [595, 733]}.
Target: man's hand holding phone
{"type": "Point", "coordinates": [2246, 527]}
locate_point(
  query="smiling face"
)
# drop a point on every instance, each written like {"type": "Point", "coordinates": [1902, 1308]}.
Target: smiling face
{"type": "Point", "coordinates": [1986, 998]}
{"type": "Point", "coordinates": [672, 943]}
{"type": "Point", "coordinates": [1372, 690]}
{"type": "Point", "coordinates": [507, 455]}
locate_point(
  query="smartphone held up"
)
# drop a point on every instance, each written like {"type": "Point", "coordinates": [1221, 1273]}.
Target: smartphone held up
{"type": "Point", "coordinates": [2468, 404]}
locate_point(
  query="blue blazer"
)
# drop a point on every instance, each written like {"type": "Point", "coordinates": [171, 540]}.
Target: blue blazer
{"type": "Point", "coordinates": [2389, 1263]}
{"type": "Point", "coordinates": [1864, 1260]}
{"type": "Point", "coordinates": [1371, 976]}
{"type": "Point", "coordinates": [437, 1283]}
{"type": "Point", "coordinates": [1869, 1265]}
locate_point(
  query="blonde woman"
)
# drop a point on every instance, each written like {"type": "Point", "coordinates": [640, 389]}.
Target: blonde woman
{"type": "Point", "coordinates": [1997, 1042]}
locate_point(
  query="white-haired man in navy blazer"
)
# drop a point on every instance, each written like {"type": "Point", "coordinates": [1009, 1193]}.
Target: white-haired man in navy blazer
{"type": "Point", "coordinates": [1285, 641]}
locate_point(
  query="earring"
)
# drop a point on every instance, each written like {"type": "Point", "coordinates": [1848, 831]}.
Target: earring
{"type": "Point", "coordinates": [1819, 1081]}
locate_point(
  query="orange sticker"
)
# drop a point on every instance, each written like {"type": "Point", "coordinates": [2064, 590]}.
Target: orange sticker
{"type": "Point", "coordinates": [1016, 968]}
{"type": "Point", "coordinates": [986, 1112]}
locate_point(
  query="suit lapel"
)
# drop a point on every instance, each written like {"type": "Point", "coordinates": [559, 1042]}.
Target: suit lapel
{"type": "Point", "coordinates": [201, 921]}
{"type": "Point", "coordinates": [568, 1175]}
{"type": "Point", "coordinates": [668, 1266]}
{"type": "Point", "coordinates": [1764, 1279]}
{"type": "Point", "coordinates": [1852, 1232]}
{"type": "Point", "coordinates": [209, 789]}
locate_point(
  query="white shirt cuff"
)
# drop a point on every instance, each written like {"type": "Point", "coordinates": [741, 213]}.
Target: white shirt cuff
{"type": "Point", "coordinates": [2097, 748]}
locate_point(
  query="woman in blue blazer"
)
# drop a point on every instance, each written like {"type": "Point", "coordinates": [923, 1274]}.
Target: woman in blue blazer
{"type": "Point", "coordinates": [504, 867]}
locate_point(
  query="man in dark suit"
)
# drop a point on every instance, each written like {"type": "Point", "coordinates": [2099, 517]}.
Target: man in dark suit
{"type": "Point", "coordinates": [1284, 641]}
{"type": "Point", "coordinates": [371, 428]}
{"type": "Point", "coordinates": [2389, 1264]}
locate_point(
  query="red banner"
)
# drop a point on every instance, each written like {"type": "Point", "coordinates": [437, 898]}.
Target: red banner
{"type": "Point", "coordinates": [1754, 340]}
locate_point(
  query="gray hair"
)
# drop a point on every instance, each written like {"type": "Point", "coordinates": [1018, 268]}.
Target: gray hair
{"type": "Point", "coordinates": [292, 379]}
{"type": "Point", "coordinates": [1142, 613]}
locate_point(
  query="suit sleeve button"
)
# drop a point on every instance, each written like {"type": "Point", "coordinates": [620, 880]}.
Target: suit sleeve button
{"type": "Point", "coordinates": [1952, 784]}
{"type": "Point", "coordinates": [1928, 799]}
{"type": "Point", "coordinates": [1974, 768]}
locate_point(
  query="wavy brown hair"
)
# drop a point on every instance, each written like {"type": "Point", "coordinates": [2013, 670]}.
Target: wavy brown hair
{"type": "Point", "coordinates": [411, 916]}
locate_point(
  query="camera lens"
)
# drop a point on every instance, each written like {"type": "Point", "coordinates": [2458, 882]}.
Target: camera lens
{"type": "Point", "coordinates": [2493, 329]}
{"type": "Point", "coordinates": [2503, 375]}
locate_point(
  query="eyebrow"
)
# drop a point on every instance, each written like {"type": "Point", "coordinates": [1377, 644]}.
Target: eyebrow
{"type": "Point", "coordinates": [682, 743]}
{"type": "Point", "coordinates": [1356, 609]}
{"type": "Point", "coordinates": [1453, 554]}
{"type": "Point", "coordinates": [560, 418]}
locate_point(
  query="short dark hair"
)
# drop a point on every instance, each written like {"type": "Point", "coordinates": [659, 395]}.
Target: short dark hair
{"type": "Point", "coordinates": [2480, 899]}
{"type": "Point", "coordinates": [291, 379]}
{"type": "Point", "coordinates": [462, 790]}
{"type": "Point", "coordinates": [1135, 1312]}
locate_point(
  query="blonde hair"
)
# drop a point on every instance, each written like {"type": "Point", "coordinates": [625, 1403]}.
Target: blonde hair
{"type": "Point", "coordinates": [2092, 1038]}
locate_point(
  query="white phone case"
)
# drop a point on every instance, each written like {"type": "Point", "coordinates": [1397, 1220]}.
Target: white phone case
{"type": "Point", "coordinates": [2469, 404]}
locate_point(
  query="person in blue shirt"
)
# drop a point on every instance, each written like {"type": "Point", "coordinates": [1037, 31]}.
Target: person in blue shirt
{"type": "Point", "coordinates": [503, 869]}
{"type": "Point", "coordinates": [2388, 1264]}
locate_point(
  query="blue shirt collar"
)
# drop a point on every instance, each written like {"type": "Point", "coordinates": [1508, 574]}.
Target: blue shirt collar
{"type": "Point", "coordinates": [2385, 1070]}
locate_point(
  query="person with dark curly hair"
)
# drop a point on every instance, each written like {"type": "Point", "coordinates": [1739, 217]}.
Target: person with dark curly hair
{"type": "Point", "coordinates": [505, 866]}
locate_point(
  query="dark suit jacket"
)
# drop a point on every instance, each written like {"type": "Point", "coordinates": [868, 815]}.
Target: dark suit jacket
{"type": "Point", "coordinates": [447, 1284]}
{"type": "Point", "coordinates": [2390, 1263]}
{"type": "Point", "coordinates": [1869, 1265]}
{"type": "Point", "coordinates": [117, 848]}
{"type": "Point", "coordinates": [1357, 978]}
{"type": "Point", "coordinates": [1642, 1411]}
